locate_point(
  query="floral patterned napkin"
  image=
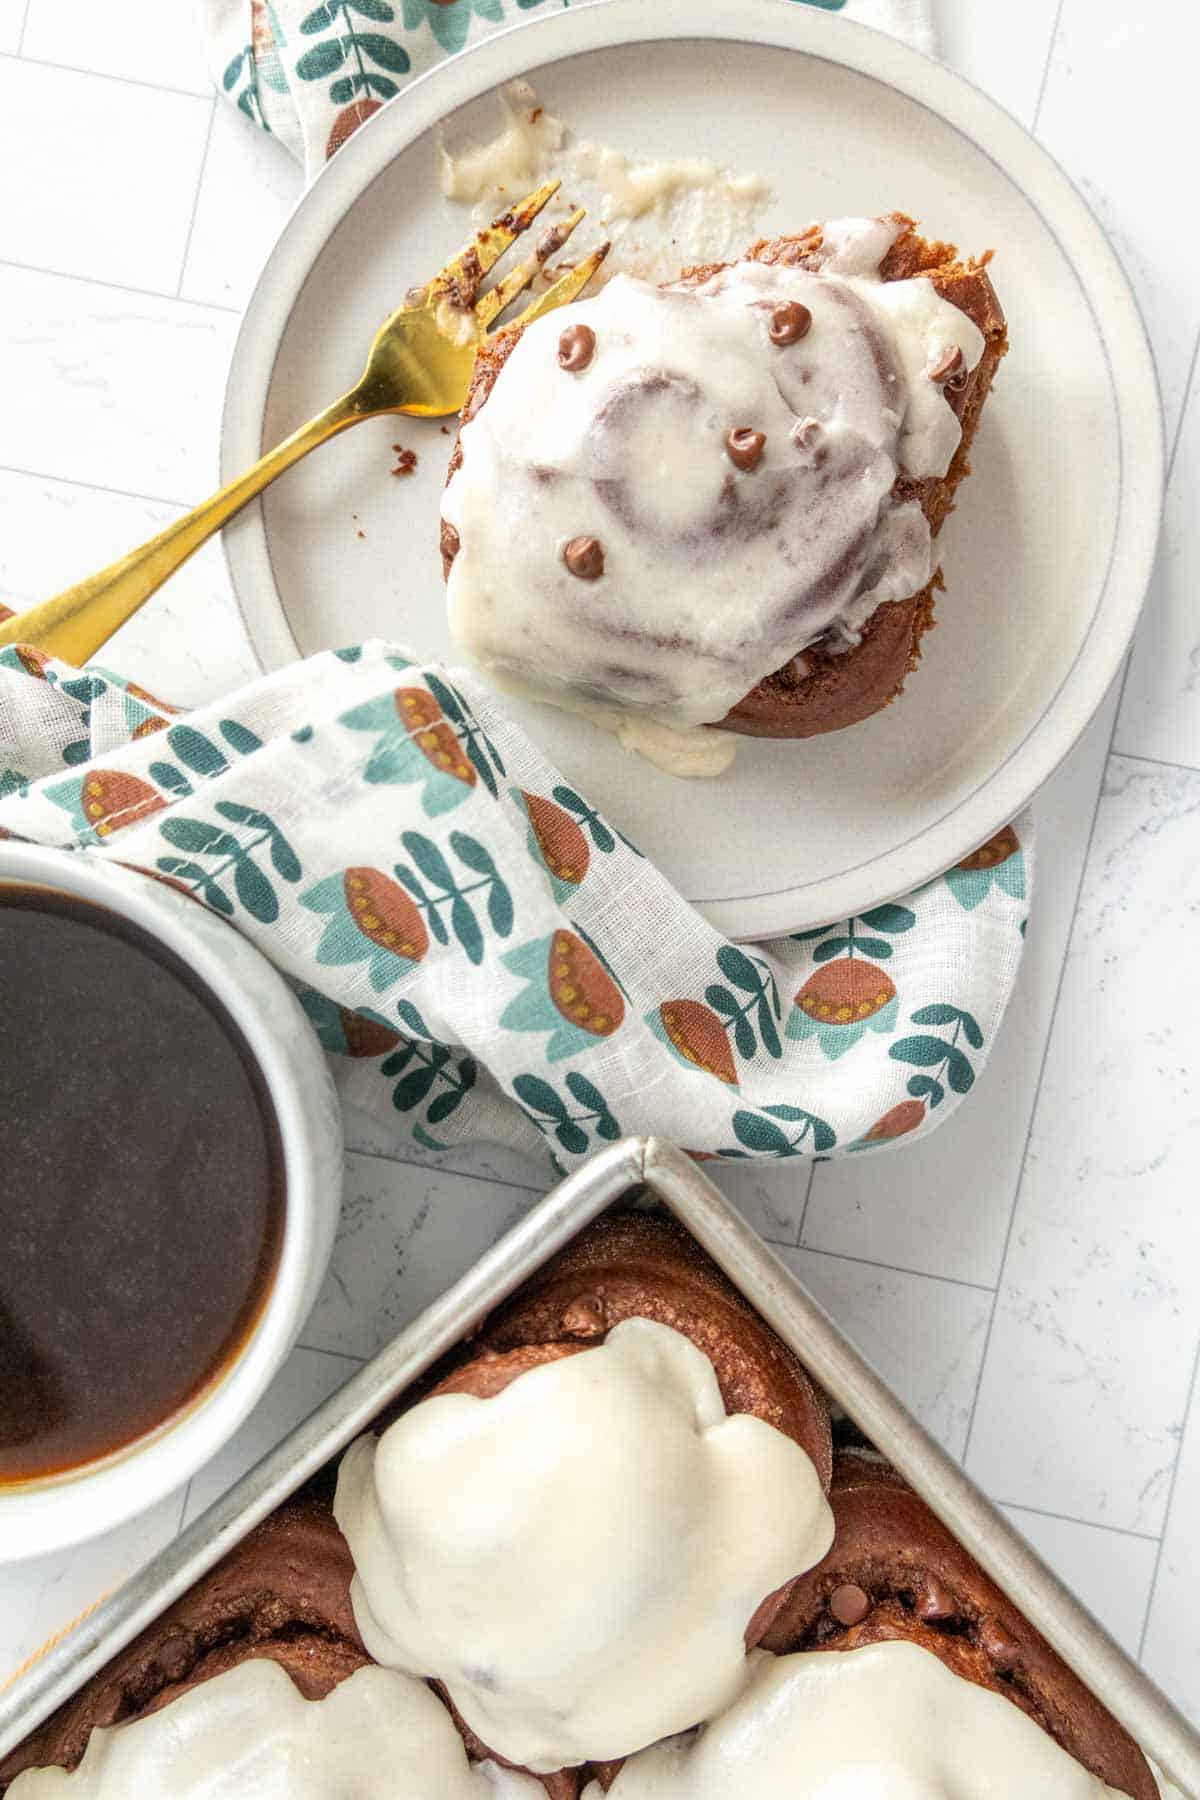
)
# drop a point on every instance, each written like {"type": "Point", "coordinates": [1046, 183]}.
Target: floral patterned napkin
{"type": "Point", "coordinates": [312, 73]}
{"type": "Point", "coordinates": [480, 951]}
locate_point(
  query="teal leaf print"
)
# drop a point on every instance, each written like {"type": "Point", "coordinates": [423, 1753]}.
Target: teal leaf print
{"type": "Point", "coordinates": [749, 1021]}
{"type": "Point", "coordinates": [412, 1019]}
{"type": "Point", "coordinates": [587, 1094]}
{"type": "Point", "coordinates": [450, 24]}
{"type": "Point", "coordinates": [553, 1116]}
{"type": "Point", "coordinates": [455, 894]}
{"type": "Point", "coordinates": [198, 836]}
{"type": "Point", "coordinates": [255, 892]}
{"type": "Point", "coordinates": [198, 881]}
{"type": "Point", "coordinates": [762, 1137]}
{"type": "Point", "coordinates": [235, 856]}
{"type": "Point", "coordinates": [428, 859]}
{"type": "Point", "coordinates": [942, 1055]}
{"type": "Point", "coordinates": [895, 919]}
{"type": "Point", "coordinates": [195, 751]}
{"type": "Point", "coordinates": [239, 737]}
{"type": "Point", "coordinates": [167, 776]}
{"type": "Point", "coordinates": [383, 50]}
{"type": "Point", "coordinates": [429, 1072]}
{"type": "Point", "coordinates": [284, 860]}
{"type": "Point", "coordinates": [539, 1096]}
{"type": "Point", "coordinates": [601, 833]}
{"type": "Point", "coordinates": [324, 58]}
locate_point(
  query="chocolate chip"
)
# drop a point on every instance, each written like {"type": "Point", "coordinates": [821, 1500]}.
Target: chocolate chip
{"type": "Point", "coordinates": [789, 323]}
{"type": "Point", "coordinates": [997, 1646]}
{"type": "Point", "coordinates": [934, 1602]}
{"type": "Point", "coordinates": [576, 348]}
{"type": "Point", "coordinates": [585, 1317]}
{"type": "Point", "coordinates": [451, 543]}
{"type": "Point", "coordinates": [584, 557]}
{"type": "Point", "coordinates": [849, 1603]}
{"type": "Point", "coordinates": [948, 367]}
{"type": "Point", "coordinates": [744, 447]}
{"type": "Point", "coordinates": [174, 1657]}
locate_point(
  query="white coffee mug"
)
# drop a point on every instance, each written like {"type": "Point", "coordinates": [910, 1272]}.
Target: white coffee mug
{"type": "Point", "coordinates": [51, 1512]}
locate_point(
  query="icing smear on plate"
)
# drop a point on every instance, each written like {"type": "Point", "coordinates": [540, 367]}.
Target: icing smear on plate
{"type": "Point", "coordinates": [648, 209]}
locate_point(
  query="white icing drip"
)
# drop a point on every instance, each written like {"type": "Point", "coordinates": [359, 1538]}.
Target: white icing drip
{"type": "Point", "coordinates": [250, 1735]}
{"type": "Point", "coordinates": [579, 1557]}
{"type": "Point", "coordinates": [886, 1722]}
{"type": "Point", "coordinates": [514, 158]}
{"type": "Point", "coordinates": [647, 208]}
{"type": "Point", "coordinates": [632, 189]}
{"type": "Point", "coordinates": [713, 577]}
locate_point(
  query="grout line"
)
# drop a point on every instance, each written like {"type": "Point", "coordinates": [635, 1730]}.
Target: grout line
{"type": "Point", "coordinates": [45, 62]}
{"type": "Point", "coordinates": [979, 1287]}
{"type": "Point", "coordinates": [1159, 762]}
{"type": "Point", "coordinates": [118, 287]}
{"type": "Point", "coordinates": [1037, 111]}
{"type": "Point", "coordinates": [24, 26]}
{"type": "Point", "coordinates": [342, 1355]}
{"type": "Point", "coordinates": [1188, 1418]}
{"type": "Point", "coordinates": [187, 1494]}
{"type": "Point", "coordinates": [1044, 1512]}
{"type": "Point", "coordinates": [94, 487]}
{"type": "Point", "coordinates": [187, 242]}
{"type": "Point", "coordinates": [812, 1176]}
{"type": "Point", "coordinates": [441, 1169]}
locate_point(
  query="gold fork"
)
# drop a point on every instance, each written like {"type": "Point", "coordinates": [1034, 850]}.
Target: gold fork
{"type": "Point", "coordinates": [420, 363]}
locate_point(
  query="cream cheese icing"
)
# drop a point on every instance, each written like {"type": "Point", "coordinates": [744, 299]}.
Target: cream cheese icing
{"type": "Point", "coordinates": [888, 1721]}
{"type": "Point", "coordinates": [714, 574]}
{"type": "Point", "coordinates": [645, 206]}
{"type": "Point", "coordinates": [250, 1734]}
{"type": "Point", "coordinates": [578, 1558]}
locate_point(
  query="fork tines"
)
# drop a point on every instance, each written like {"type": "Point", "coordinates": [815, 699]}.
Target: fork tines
{"type": "Point", "coordinates": [458, 283]}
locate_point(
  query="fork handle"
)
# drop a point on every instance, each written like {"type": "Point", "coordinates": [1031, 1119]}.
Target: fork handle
{"type": "Point", "coordinates": [76, 622]}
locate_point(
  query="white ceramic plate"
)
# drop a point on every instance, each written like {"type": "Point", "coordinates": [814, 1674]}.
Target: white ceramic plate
{"type": "Point", "coordinates": [1046, 559]}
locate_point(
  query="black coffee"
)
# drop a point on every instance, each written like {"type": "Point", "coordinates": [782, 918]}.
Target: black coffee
{"type": "Point", "coordinates": [141, 1184]}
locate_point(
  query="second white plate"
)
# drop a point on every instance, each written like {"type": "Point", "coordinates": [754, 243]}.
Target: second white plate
{"type": "Point", "coordinates": [1046, 560]}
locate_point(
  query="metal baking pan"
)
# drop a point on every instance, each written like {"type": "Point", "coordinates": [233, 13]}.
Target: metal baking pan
{"type": "Point", "coordinates": [650, 1170]}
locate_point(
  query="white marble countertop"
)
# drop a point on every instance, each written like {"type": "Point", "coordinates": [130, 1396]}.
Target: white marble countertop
{"type": "Point", "coordinates": [1029, 1276]}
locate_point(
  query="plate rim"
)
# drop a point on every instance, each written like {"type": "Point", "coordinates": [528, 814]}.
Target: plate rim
{"type": "Point", "coordinates": [1032, 170]}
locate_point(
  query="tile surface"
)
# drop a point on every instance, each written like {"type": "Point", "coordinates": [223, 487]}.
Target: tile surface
{"type": "Point", "coordinates": [1084, 1393]}
{"type": "Point", "coordinates": [138, 40]}
{"type": "Point", "coordinates": [86, 135]}
{"type": "Point", "coordinates": [1029, 1277]}
{"type": "Point", "coordinates": [927, 1335]}
{"type": "Point", "coordinates": [117, 389]}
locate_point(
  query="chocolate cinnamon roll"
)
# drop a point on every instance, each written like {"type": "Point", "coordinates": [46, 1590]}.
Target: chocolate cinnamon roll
{"type": "Point", "coordinates": [590, 1517]}
{"type": "Point", "coordinates": [894, 1573]}
{"type": "Point", "coordinates": [282, 1594]}
{"type": "Point", "coordinates": [770, 573]}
